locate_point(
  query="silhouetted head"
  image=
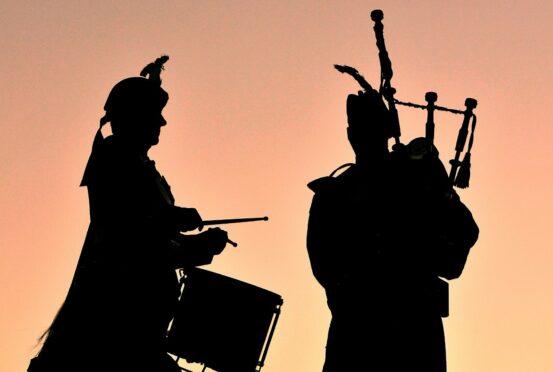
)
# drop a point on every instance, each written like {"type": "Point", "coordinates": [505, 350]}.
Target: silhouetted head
{"type": "Point", "coordinates": [368, 128]}
{"type": "Point", "coordinates": [134, 107]}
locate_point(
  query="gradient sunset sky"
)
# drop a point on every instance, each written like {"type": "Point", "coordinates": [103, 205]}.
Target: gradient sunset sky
{"type": "Point", "coordinates": [256, 111]}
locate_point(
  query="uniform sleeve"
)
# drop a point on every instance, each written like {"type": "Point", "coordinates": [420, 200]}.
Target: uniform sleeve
{"type": "Point", "coordinates": [460, 234]}
{"type": "Point", "coordinates": [323, 239]}
{"type": "Point", "coordinates": [187, 251]}
{"type": "Point", "coordinates": [131, 219]}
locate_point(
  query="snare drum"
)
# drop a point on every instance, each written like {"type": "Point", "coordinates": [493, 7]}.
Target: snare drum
{"type": "Point", "coordinates": [223, 323]}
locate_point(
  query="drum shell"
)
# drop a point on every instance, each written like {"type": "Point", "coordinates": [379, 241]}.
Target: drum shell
{"type": "Point", "coordinates": [222, 322]}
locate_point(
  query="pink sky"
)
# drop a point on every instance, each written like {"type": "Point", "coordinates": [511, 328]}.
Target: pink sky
{"type": "Point", "coordinates": [256, 111]}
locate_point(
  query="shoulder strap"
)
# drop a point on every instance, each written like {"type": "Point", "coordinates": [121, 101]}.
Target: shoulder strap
{"type": "Point", "coordinates": [347, 165]}
{"type": "Point", "coordinates": [325, 182]}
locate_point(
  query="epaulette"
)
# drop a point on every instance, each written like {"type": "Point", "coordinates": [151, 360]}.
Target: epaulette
{"type": "Point", "coordinates": [326, 182]}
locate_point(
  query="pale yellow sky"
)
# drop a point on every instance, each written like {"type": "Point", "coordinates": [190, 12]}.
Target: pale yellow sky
{"type": "Point", "coordinates": [256, 111]}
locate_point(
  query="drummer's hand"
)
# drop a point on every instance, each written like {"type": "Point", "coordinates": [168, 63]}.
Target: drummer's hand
{"type": "Point", "coordinates": [215, 240]}
{"type": "Point", "coordinates": [188, 219]}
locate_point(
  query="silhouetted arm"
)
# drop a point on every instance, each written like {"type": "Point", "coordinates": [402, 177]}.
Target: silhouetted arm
{"type": "Point", "coordinates": [318, 244]}
{"type": "Point", "coordinates": [131, 210]}
{"type": "Point", "coordinates": [460, 235]}
{"type": "Point", "coordinates": [323, 235]}
{"type": "Point", "coordinates": [198, 249]}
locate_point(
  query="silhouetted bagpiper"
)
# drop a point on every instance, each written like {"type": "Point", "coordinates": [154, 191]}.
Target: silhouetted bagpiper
{"type": "Point", "coordinates": [385, 232]}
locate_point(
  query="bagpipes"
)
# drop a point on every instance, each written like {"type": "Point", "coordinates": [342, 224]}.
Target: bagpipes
{"type": "Point", "coordinates": [459, 174]}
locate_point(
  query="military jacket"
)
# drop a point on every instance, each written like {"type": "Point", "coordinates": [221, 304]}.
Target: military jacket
{"type": "Point", "coordinates": [381, 234]}
{"type": "Point", "coordinates": [125, 287]}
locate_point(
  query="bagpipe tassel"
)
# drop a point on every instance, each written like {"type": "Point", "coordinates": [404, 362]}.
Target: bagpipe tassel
{"type": "Point", "coordinates": [463, 176]}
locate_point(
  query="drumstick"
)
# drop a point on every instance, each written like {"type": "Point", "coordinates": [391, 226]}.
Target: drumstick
{"type": "Point", "coordinates": [234, 220]}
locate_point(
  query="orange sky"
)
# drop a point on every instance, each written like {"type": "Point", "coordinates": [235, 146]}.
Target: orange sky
{"type": "Point", "coordinates": [256, 111]}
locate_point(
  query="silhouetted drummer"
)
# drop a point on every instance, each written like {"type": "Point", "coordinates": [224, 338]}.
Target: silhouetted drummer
{"type": "Point", "coordinates": [380, 236]}
{"type": "Point", "coordinates": [125, 288]}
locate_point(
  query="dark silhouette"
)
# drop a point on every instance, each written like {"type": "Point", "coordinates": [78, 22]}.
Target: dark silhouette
{"type": "Point", "coordinates": [223, 323]}
{"type": "Point", "coordinates": [384, 232]}
{"type": "Point", "coordinates": [125, 289]}
{"type": "Point", "coordinates": [380, 236]}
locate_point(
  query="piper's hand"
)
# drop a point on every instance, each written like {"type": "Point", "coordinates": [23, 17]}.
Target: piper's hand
{"type": "Point", "coordinates": [215, 240]}
{"type": "Point", "coordinates": [188, 219]}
